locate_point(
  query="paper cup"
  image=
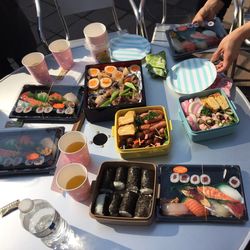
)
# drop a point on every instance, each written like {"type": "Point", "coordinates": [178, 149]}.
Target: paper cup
{"type": "Point", "coordinates": [37, 67]}
{"type": "Point", "coordinates": [62, 52]}
{"type": "Point", "coordinates": [73, 179]}
{"type": "Point", "coordinates": [73, 147]}
{"type": "Point", "coordinates": [96, 34]}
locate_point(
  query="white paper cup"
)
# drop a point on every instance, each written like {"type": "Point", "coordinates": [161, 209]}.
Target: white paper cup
{"type": "Point", "coordinates": [62, 52]}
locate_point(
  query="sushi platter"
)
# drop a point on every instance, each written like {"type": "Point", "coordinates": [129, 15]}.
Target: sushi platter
{"type": "Point", "coordinates": [131, 193]}
{"type": "Point", "coordinates": [56, 104]}
{"type": "Point", "coordinates": [112, 86]}
{"type": "Point", "coordinates": [29, 151]}
{"type": "Point", "coordinates": [185, 39]}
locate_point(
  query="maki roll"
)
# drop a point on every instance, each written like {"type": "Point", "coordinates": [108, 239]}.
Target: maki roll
{"type": "Point", "coordinates": [60, 111]}
{"type": "Point", "coordinates": [195, 179]}
{"type": "Point", "coordinates": [69, 111]}
{"type": "Point", "coordinates": [28, 163]}
{"type": "Point", "coordinates": [39, 161]}
{"type": "Point", "coordinates": [234, 182]}
{"type": "Point", "coordinates": [102, 204]}
{"type": "Point", "coordinates": [120, 178]}
{"type": "Point", "coordinates": [143, 206]}
{"type": "Point", "coordinates": [147, 181]}
{"type": "Point", "coordinates": [184, 178]}
{"type": "Point", "coordinates": [174, 177]}
{"type": "Point", "coordinates": [128, 204]}
{"type": "Point", "coordinates": [134, 179]}
{"type": "Point", "coordinates": [205, 179]}
{"type": "Point", "coordinates": [39, 110]}
{"type": "Point", "coordinates": [27, 109]}
{"type": "Point", "coordinates": [7, 162]}
{"type": "Point", "coordinates": [115, 204]}
{"type": "Point", "coordinates": [107, 180]}
{"type": "Point", "coordinates": [19, 109]}
{"type": "Point", "coordinates": [17, 161]}
{"type": "Point", "coordinates": [48, 109]}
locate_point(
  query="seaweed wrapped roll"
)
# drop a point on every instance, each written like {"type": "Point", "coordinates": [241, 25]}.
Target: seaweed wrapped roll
{"type": "Point", "coordinates": [143, 206]}
{"type": "Point", "coordinates": [108, 179]}
{"type": "Point", "coordinates": [115, 204]}
{"type": "Point", "coordinates": [134, 179]}
{"type": "Point", "coordinates": [147, 181]}
{"type": "Point", "coordinates": [120, 178]}
{"type": "Point", "coordinates": [102, 204]}
{"type": "Point", "coordinates": [127, 207]}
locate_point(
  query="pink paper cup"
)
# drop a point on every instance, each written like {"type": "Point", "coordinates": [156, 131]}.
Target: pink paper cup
{"type": "Point", "coordinates": [73, 179]}
{"type": "Point", "coordinates": [96, 34]}
{"type": "Point", "coordinates": [62, 53]}
{"type": "Point", "coordinates": [37, 67]}
{"type": "Point", "coordinates": [66, 145]}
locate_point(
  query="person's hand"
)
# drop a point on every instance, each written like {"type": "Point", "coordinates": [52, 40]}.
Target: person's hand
{"type": "Point", "coordinates": [227, 51]}
{"type": "Point", "coordinates": [208, 11]}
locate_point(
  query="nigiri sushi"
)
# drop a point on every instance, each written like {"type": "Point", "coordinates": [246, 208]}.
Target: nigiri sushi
{"type": "Point", "coordinates": [231, 192]}
{"type": "Point", "coordinates": [218, 210]}
{"type": "Point", "coordinates": [195, 207]}
{"type": "Point", "coordinates": [174, 209]}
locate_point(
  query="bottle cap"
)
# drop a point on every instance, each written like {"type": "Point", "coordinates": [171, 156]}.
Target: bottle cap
{"type": "Point", "coordinates": [26, 205]}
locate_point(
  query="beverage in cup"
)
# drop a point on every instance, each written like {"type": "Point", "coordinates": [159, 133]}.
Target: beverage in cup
{"type": "Point", "coordinates": [73, 179]}
{"type": "Point", "coordinates": [37, 67]}
{"type": "Point", "coordinates": [73, 147]}
{"type": "Point", "coordinates": [97, 41]}
{"type": "Point", "coordinates": [62, 52]}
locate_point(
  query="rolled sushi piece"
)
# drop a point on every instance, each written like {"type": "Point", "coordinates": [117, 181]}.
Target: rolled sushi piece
{"type": "Point", "coordinates": [184, 178]}
{"type": "Point", "coordinates": [48, 109]}
{"type": "Point", "coordinates": [128, 204]}
{"type": "Point", "coordinates": [120, 178]}
{"type": "Point", "coordinates": [143, 206]}
{"type": "Point", "coordinates": [147, 181]}
{"type": "Point", "coordinates": [102, 204]}
{"type": "Point", "coordinates": [17, 161]}
{"type": "Point", "coordinates": [27, 109]}
{"type": "Point", "coordinates": [134, 179]}
{"type": "Point", "coordinates": [174, 177]}
{"type": "Point", "coordinates": [69, 111]}
{"type": "Point", "coordinates": [195, 179]}
{"type": "Point", "coordinates": [107, 185]}
{"type": "Point", "coordinates": [115, 204]}
{"type": "Point", "coordinates": [234, 182]}
{"type": "Point", "coordinates": [60, 111]}
{"type": "Point", "coordinates": [205, 179]}
{"type": "Point", "coordinates": [39, 110]}
{"type": "Point", "coordinates": [39, 161]}
{"type": "Point", "coordinates": [19, 109]}
{"type": "Point", "coordinates": [7, 162]}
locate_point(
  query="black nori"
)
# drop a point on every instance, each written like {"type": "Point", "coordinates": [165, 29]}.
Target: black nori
{"type": "Point", "coordinates": [107, 180]}
{"type": "Point", "coordinates": [127, 207]}
{"type": "Point", "coordinates": [143, 206]}
{"type": "Point", "coordinates": [147, 181]}
{"type": "Point", "coordinates": [102, 204]}
{"type": "Point", "coordinates": [134, 179]}
{"type": "Point", "coordinates": [115, 204]}
{"type": "Point", "coordinates": [120, 178]}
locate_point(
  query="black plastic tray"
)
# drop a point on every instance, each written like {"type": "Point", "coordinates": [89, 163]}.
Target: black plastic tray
{"type": "Point", "coordinates": [218, 173]}
{"type": "Point", "coordinates": [185, 36]}
{"type": "Point", "coordinates": [99, 114]}
{"type": "Point", "coordinates": [53, 116]}
{"type": "Point", "coordinates": [17, 145]}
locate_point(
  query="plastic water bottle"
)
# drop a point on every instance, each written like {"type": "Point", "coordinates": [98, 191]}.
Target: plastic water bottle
{"type": "Point", "coordinates": [42, 220]}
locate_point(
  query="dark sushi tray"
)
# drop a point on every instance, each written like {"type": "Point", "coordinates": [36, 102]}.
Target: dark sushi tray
{"type": "Point", "coordinates": [186, 39]}
{"type": "Point", "coordinates": [112, 86]}
{"type": "Point", "coordinates": [49, 104]}
{"type": "Point", "coordinates": [137, 193]}
{"type": "Point", "coordinates": [29, 151]}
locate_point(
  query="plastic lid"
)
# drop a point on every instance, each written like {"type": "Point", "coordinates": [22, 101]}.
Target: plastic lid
{"type": "Point", "coordinates": [26, 205]}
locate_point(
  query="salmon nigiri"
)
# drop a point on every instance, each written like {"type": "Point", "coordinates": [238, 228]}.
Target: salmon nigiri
{"type": "Point", "coordinates": [214, 193]}
{"type": "Point", "coordinates": [195, 207]}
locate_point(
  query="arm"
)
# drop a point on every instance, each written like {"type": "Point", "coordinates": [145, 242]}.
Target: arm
{"type": "Point", "coordinates": [208, 11]}
{"type": "Point", "coordinates": [229, 47]}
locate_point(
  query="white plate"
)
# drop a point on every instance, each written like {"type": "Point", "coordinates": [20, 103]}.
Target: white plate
{"type": "Point", "coordinates": [129, 47]}
{"type": "Point", "coordinates": [191, 76]}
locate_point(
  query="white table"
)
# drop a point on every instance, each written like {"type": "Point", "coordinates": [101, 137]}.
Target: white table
{"type": "Point", "coordinates": [232, 149]}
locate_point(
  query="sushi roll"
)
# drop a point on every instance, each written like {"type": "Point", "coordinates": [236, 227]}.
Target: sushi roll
{"type": "Point", "coordinates": [19, 109]}
{"type": "Point", "coordinates": [143, 206]}
{"type": "Point", "coordinates": [69, 111]}
{"type": "Point", "coordinates": [134, 179]}
{"type": "Point", "coordinates": [39, 161]}
{"type": "Point", "coordinates": [120, 178]}
{"type": "Point", "coordinates": [115, 204]}
{"type": "Point", "coordinates": [175, 177]}
{"type": "Point", "coordinates": [17, 161]}
{"type": "Point", "coordinates": [195, 179]}
{"type": "Point", "coordinates": [102, 204]}
{"type": "Point", "coordinates": [27, 109]}
{"type": "Point", "coordinates": [128, 204]}
{"type": "Point", "coordinates": [184, 178]}
{"type": "Point", "coordinates": [60, 111]}
{"type": "Point", "coordinates": [107, 180]}
{"type": "Point", "coordinates": [29, 163]}
{"type": "Point", "coordinates": [234, 182]}
{"type": "Point", "coordinates": [210, 23]}
{"type": "Point", "coordinates": [39, 110]}
{"type": "Point", "coordinates": [48, 109]}
{"type": "Point", "coordinates": [205, 179]}
{"type": "Point", "coordinates": [147, 181]}
{"type": "Point", "coordinates": [7, 162]}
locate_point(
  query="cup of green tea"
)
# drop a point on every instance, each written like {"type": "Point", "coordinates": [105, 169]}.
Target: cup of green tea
{"type": "Point", "coordinates": [73, 147]}
{"type": "Point", "coordinates": [73, 179]}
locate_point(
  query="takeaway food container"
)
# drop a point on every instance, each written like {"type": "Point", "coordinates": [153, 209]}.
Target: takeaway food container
{"type": "Point", "coordinates": [137, 193]}
{"type": "Point", "coordinates": [148, 150]}
{"type": "Point", "coordinates": [201, 135]}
